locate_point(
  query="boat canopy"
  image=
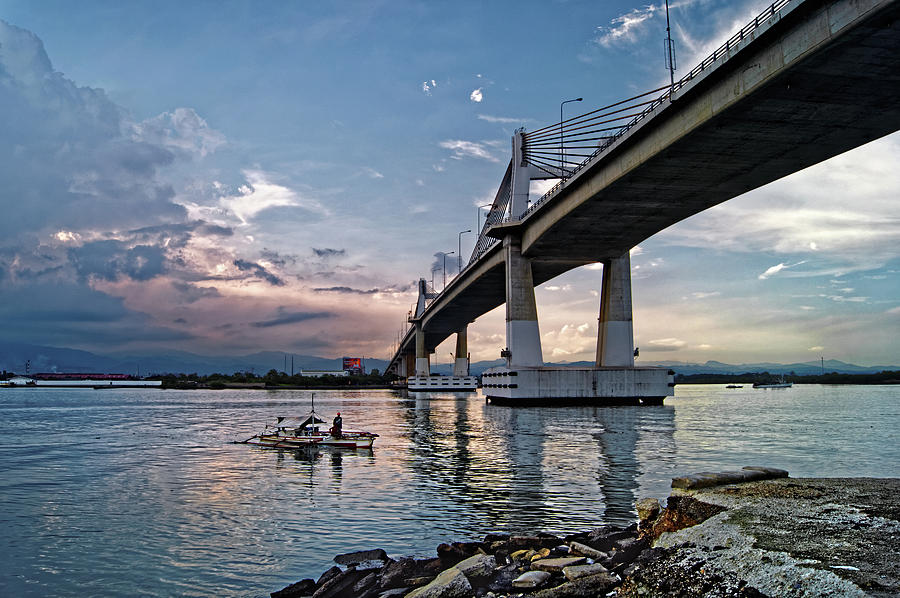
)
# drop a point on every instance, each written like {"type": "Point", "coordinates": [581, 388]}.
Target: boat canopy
{"type": "Point", "coordinates": [298, 422]}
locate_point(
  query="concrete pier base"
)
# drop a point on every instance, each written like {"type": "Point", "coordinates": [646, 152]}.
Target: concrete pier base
{"type": "Point", "coordinates": [554, 385]}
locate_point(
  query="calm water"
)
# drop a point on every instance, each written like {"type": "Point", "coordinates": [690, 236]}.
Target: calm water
{"type": "Point", "coordinates": [142, 492]}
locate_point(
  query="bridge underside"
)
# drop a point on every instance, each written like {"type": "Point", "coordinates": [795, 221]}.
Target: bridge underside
{"type": "Point", "coordinates": [749, 123]}
{"type": "Point", "coordinates": [820, 80]}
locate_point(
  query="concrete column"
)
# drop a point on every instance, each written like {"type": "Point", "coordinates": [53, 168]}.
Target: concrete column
{"type": "Point", "coordinates": [422, 366]}
{"type": "Point", "coordinates": [615, 332]}
{"type": "Point", "coordinates": [461, 365]}
{"type": "Point", "coordinates": [409, 365]}
{"type": "Point", "coordinates": [523, 337]}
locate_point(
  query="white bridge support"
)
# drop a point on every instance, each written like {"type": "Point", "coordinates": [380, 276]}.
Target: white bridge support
{"type": "Point", "coordinates": [523, 337]}
{"type": "Point", "coordinates": [615, 332]}
{"type": "Point", "coordinates": [461, 361]}
{"type": "Point", "coordinates": [614, 379]}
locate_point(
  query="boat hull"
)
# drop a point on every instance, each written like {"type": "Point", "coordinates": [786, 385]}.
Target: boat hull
{"type": "Point", "coordinates": [345, 441]}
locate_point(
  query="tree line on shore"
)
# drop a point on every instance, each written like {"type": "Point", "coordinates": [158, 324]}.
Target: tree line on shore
{"type": "Point", "coordinates": [272, 379]}
{"type": "Point", "coordinates": [884, 377]}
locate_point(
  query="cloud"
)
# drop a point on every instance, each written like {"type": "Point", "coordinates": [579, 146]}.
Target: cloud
{"type": "Point", "coordinates": [503, 119]}
{"type": "Point", "coordinates": [773, 270]}
{"type": "Point", "coordinates": [257, 270]}
{"type": "Point", "coordinates": [705, 295]}
{"type": "Point", "coordinates": [285, 317]}
{"type": "Point", "coordinates": [664, 344]}
{"type": "Point", "coordinates": [349, 290]}
{"type": "Point", "coordinates": [631, 26]}
{"type": "Point", "coordinates": [326, 252]}
{"type": "Point", "coordinates": [427, 86]}
{"type": "Point", "coordinates": [477, 95]}
{"type": "Point", "coordinates": [468, 149]}
{"type": "Point", "coordinates": [260, 193]}
{"type": "Point", "coordinates": [372, 173]}
{"type": "Point", "coordinates": [110, 259]}
{"type": "Point", "coordinates": [182, 130]}
{"type": "Point", "coordinates": [816, 349]}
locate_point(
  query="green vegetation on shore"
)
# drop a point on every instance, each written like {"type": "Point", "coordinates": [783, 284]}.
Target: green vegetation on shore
{"type": "Point", "coordinates": [885, 377]}
{"type": "Point", "coordinates": [273, 379]}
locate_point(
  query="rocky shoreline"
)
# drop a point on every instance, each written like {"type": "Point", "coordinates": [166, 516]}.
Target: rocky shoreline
{"type": "Point", "coordinates": [748, 533]}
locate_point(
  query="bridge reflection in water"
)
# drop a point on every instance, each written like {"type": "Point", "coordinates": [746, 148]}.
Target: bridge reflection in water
{"type": "Point", "coordinates": [535, 469]}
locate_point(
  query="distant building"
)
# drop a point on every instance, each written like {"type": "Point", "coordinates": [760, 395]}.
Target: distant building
{"type": "Point", "coordinates": [320, 373]}
{"type": "Point", "coordinates": [354, 365]}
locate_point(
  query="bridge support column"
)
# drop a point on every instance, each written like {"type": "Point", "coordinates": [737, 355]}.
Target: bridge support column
{"type": "Point", "coordinates": [423, 368]}
{"type": "Point", "coordinates": [523, 335]}
{"type": "Point", "coordinates": [461, 364]}
{"type": "Point", "coordinates": [615, 332]}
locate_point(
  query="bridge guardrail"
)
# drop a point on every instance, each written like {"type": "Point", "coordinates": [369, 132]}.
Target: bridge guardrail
{"type": "Point", "coordinates": [745, 31]}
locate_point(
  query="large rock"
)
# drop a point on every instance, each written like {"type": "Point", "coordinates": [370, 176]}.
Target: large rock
{"type": "Point", "coordinates": [450, 554]}
{"type": "Point", "coordinates": [361, 556]}
{"type": "Point", "coordinates": [397, 572]}
{"type": "Point", "coordinates": [585, 587]}
{"type": "Point", "coordinates": [452, 583]}
{"type": "Point", "coordinates": [340, 585]}
{"type": "Point", "coordinates": [531, 579]}
{"type": "Point", "coordinates": [578, 571]}
{"type": "Point", "coordinates": [584, 550]}
{"type": "Point", "coordinates": [478, 567]}
{"type": "Point", "coordinates": [555, 565]}
{"type": "Point", "coordinates": [304, 587]}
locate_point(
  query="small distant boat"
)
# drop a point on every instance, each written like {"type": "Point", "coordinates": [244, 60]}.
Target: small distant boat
{"type": "Point", "coordinates": [735, 386]}
{"type": "Point", "coordinates": [780, 384]}
{"type": "Point", "coordinates": [309, 431]}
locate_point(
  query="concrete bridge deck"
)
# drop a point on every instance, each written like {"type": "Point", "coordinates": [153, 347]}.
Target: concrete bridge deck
{"type": "Point", "coordinates": [818, 79]}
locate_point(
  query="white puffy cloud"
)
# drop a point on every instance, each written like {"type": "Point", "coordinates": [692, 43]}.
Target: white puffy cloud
{"type": "Point", "coordinates": [477, 95]}
{"type": "Point", "coordinates": [468, 149]}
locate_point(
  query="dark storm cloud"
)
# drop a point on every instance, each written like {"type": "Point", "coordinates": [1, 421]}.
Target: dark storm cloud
{"type": "Point", "coordinates": [277, 258]}
{"type": "Point", "coordinates": [257, 270]}
{"type": "Point", "coordinates": [287, 317]}
{"type": "Point", "coordinates": [326, 252]}
{"type": "Point", "coordinates": [110, 260]}
{"type": "Point", "coordinates": [347, 290]}
{"type": "Point", "coordinates": [58, 313]}
{"type": "Point", "coordinates": [191, 293]}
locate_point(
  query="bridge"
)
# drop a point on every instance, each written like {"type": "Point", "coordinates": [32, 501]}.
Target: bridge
{"type": "Point", "coordinates": [804, 81]}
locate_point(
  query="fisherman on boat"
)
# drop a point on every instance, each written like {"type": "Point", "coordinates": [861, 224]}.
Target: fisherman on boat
{"type": "Point", "coordinates": [336, 425]}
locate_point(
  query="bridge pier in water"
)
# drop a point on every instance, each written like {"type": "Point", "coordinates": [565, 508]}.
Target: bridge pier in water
{"type": "Point", "coordinates": [614, 379]}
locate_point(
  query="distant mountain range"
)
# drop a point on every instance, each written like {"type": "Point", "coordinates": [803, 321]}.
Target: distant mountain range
{"type": "Point", "coordinates": [56, 359]}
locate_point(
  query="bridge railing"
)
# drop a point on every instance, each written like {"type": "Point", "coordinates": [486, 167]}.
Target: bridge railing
{"type": "Point", "coordinates": [616, 132]}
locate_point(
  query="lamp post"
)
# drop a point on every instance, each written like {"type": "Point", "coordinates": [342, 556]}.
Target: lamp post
{"type": "Point", "coordinates": [562, 153]}
{"type": "Point", "coordinates": [445, 269]}
{"type": "Point", "coordinates": [459, 250]}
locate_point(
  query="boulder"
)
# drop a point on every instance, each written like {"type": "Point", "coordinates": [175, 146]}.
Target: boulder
{"type": "Point", "coordinates": [450, 554]}
{"type": "Point", "coordinates": [577, 548]}
{"type": "Point", "coordinates": [478, 567]}
{"type": "Point", "coordinates": [585, 587]}
{"type": "Point", "coordinates": [304, 587]}
{"type": "Point", "coordinates": [531, 579]}
{"type": "Point", "coordinates": [449, 584]}
{"type": "Point", "coordinates": [361, 556]}
{"type": "Point", "coordinates": [578, 571]}
{"type": "Point", "coordinates": [556, 565]}
{"type": "Point", "coordinates": [647, 509]}
{"type": "Point", "coordinates": [339, 585]}
{"type": "Point", "coordinates": [396, 572]}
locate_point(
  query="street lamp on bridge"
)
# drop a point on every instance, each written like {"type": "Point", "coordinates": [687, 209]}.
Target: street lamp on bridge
{"type": "Point", "coordinates": [459, 250]}
{"type": "Point", "coordinates": [562, 151]}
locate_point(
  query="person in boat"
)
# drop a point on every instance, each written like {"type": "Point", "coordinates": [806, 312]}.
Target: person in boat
{"type": "Point", "coordinates": [336, 425]}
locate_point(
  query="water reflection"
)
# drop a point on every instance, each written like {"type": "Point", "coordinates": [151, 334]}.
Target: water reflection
{"type": "Point", "coordinates": [525, 468]}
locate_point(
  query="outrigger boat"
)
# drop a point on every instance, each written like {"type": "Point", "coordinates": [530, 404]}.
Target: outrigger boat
{"type": "Point", "coordinates": [296, 432]}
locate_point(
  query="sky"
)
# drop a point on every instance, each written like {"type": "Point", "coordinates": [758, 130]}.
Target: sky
{"type": "Point", "coordinates": [231, 177]}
